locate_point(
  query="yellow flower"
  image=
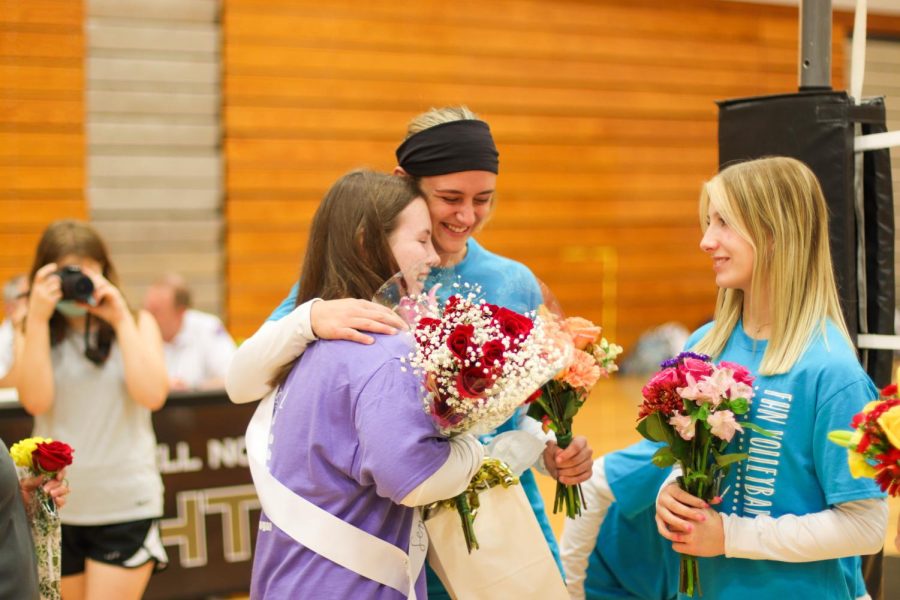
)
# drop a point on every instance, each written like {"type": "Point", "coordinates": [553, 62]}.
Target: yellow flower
{"type": "Point", "coordinates": [890, 423]}
{"type": "Point", "coordinates": [858, 465]}
{"type": "Point", "coordinates": [21, 451]}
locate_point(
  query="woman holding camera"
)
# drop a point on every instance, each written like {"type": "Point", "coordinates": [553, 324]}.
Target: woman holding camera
{"type": "Point", "coordinates": [92, 372]}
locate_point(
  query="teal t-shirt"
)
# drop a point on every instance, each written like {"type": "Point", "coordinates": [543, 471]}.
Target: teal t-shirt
{"type": "Point", "coordinates": [504, 282]}
{"type": "Point", "coordinates": [630, 559]}
{"type": "Point", "coordinates": [797, 471]}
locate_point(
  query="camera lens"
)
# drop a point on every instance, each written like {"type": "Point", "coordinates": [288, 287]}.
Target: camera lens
{"type": "Point", "coordinates": [75, 285]}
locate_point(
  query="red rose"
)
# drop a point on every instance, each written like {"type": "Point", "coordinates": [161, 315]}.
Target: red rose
{"type": "Point", "coordinates": [889, 390]}
{"type": "Point", "coordinates": [473, 381]}
{"type": "Point", "coordinates": [460, 339]}
{"type": "Point", "coordinates": [513, 325]}
{"type": "Point", "coordinates": [50, 457]}
{"type": "Point", "coordinates": [492, 351]}
{"type": "Point", "coordinates": [700, 368]}
{"type": "Point", "coordinates": [444, 415]}
{"type": "Point", "coordinates": [427, 323]}
{"type": "Point", "coordinates": [741, 374]}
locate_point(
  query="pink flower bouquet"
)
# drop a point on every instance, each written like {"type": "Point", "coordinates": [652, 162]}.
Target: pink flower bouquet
{"type": "Point", "coordinates": [691, 405]}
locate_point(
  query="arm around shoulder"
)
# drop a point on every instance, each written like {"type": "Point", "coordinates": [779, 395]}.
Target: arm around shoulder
{"type": "Point", "coordinates": [273, 345]}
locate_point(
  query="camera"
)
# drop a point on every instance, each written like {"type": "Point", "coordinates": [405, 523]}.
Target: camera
{"type": "Point", "coordinates": [74, 284]}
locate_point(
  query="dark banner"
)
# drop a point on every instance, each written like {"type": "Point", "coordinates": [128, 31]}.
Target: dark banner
{"type": "Point", "coordinates": [211, 510]}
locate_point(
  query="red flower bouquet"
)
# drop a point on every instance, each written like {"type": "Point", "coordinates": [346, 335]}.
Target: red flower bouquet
{"type": "Point", "coordinates": [479, 363]}
{"type": "Point", "coordinates": [45, 457]}
{"type": "Point", "coordinates": [874, 444]}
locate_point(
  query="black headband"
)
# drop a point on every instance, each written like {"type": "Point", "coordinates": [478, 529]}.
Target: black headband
{"type": "Point", "coordinates": [451, 147]}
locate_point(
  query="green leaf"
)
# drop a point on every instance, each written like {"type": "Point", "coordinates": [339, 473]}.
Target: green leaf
{"type": "Point", "coordinates": [536, 411]}
{"type": "Point", "coordinates": [655, 429]}
{"type": "Point", "coordinates": [572, 406]}
{"type": "Point", "coordinates": [703, 413]}
{"type": "Point", "coordinates": [664, 458]}
{"type": "Point", "coordinates": [756, 428]}
{"type": "Point", "coordinates": [696, 476]}
{"type": "Point", "coordinates": [739, 406]}
{"type": "Point", "coordinates": [724, 460]}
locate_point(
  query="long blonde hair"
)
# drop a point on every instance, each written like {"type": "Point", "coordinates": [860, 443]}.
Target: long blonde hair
{"type": "Point", "coordinates": [776, 204]}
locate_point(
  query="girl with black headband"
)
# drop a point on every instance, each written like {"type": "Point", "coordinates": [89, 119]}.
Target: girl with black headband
{"type": "Point", "coordinates": [451, 156]}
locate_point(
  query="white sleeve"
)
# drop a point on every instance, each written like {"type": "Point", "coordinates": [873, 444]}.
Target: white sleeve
{"type": "Point", "coordinates": [533, 427]}
{"type": "Point", "coordinates": [579, 536]}
{"type": "Point", "coordinates": [848, 529]}
{"type": "Point", "coordinates": [274, 344]}
{"type": "Point", "coordinates": [466, 453]}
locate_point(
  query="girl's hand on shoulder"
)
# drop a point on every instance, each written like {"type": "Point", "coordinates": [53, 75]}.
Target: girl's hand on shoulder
{"type": "Point", "coordinates": [348, 318]}
{"type": "Point", "coordinates": [109, 304]}
{"type": "Point", "coordinates": [45, 292]}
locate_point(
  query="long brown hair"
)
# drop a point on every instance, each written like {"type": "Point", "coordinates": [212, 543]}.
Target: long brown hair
{"type": "Point", "coordinates": [70, 237]}
{"type": "Point", "coordinates": [348, 254]}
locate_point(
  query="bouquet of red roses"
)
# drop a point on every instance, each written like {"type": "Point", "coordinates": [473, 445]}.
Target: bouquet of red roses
{"type": "Point", "coordinates": [691, 405]}
{"type": "Point", "coordinates": [479, 363]}
{"type": "Point", "coordinates": [558, 401]}
{"type": "Point", "coordinates": [873, 447]}
{"type": "Point", "coordinates": [44, 457]}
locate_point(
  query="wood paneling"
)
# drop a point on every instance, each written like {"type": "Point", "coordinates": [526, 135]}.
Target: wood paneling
{"type": "Point", "coordinates": [41, 124]}
{"type": "Point", "coordinates": [604, 113]}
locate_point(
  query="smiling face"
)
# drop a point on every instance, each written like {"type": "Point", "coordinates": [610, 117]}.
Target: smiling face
{"type": "Point", "coordinates": [732, 254]}
{"type": "Point", "coordinates": [411, 245]}
{"type": "Point", "coordinates": [458, 203]}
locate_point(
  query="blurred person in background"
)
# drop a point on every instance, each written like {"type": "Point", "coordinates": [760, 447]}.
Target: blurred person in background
{"type": "Point", "coordinates": [15, 302]}
{"type": "Point", "coordinates": [91, 372]}
{"type": "Point", "coordinates": [197, 346]}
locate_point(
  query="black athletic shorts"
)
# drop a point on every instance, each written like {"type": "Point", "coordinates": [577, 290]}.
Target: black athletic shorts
{"type": "Point", "coordinates": [130, 544]}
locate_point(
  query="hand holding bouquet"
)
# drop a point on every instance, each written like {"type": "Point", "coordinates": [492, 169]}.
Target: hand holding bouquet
{"type": "Point", "coordinates": [873, 447]}
{"type": "Point", "coordinates": [43, 458]}
{"type": "Point", "coordinates": [691, 405]}
{"type": "Point", "coordinates": [560, 399]}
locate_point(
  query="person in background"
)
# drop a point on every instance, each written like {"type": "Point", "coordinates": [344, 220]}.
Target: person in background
{"type": "Point", "coordinates": [613, 550]}
{"type": "Point", "coordinates": [198, 348]}
{"type": "Point", "coordinates": [15, 302]}
{"type": "Point", "coordinates": [792, 521]}
{"type": "Point", "coordinates": [91, 372]}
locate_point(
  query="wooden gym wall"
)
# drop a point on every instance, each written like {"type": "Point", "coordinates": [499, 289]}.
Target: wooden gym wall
{"type": "Point", "coordinates": [603, 113]}
{"type": "Point", "coordinates": [42, 149]}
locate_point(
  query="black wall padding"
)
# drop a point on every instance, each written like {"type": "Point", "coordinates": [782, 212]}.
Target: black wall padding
{"type": "Point", "coordinates": [879, 231]}
{"type": "Point", "coordinates": [818, 128]}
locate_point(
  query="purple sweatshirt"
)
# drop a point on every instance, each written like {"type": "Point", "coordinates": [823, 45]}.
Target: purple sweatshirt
{"type": "Point", "coordinates": [349, 435]}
